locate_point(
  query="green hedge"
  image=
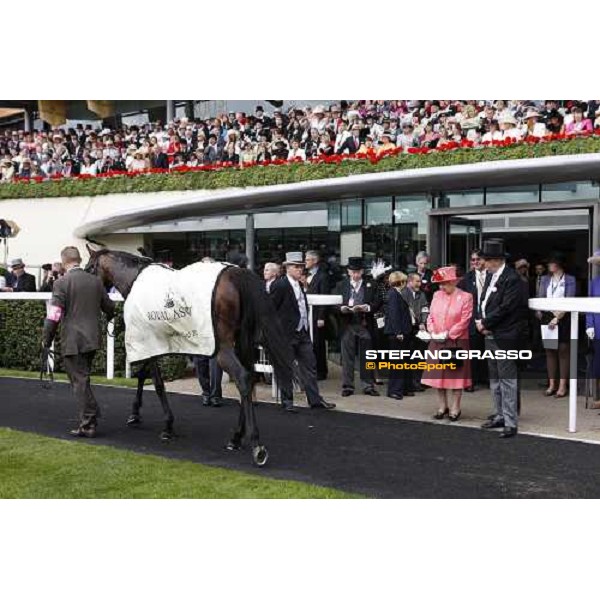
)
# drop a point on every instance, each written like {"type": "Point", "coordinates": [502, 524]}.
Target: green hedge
{"type": "Point", "coordinates": [21, 323]}
{"type": "Point", "coordinates": [271, 175]}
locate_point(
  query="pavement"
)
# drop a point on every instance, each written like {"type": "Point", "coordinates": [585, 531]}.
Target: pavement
{"type": "Point", "coordinates": [540, 415]}
{"type": "Point", "coordinates": [374, 456]}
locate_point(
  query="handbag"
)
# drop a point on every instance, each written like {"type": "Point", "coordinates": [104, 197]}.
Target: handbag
{"type": "Point", "coordinates": [453, 346]}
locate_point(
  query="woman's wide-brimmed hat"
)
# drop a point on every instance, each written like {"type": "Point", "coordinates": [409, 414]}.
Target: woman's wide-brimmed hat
{"type": "Point", "coordinates": [444, 275]}
{"type": "Point", "coordinates": [508, 120]}
{"type": "Point", "coordinates": [355, 263]}
{"type": "Point", "coordinates": [493, 248]}
{"type": "Point", "coordinates": [293, 258]}
{"type": "Point", "coordinates": [595, 258]}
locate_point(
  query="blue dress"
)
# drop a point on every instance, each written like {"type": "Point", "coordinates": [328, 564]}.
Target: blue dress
{"type": "Point", "coordinates": [593, 320]}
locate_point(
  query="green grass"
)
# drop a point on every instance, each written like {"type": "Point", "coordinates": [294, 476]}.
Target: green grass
{"type": "Point", "coordinates": [96, 379]}
{"type": "Point", "coordinates": [34, 466]}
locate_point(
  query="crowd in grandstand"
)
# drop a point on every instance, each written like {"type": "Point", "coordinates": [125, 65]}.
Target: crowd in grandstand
{"type": "Point", "coordinates": [366, 127]}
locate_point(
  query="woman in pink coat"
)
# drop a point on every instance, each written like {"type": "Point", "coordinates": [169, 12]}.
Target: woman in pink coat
{"type": "Point", "coordinates": [449, 318]}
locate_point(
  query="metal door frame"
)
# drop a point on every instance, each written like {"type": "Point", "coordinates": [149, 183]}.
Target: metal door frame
{"type": "Point", "coordinates": [438, 223]}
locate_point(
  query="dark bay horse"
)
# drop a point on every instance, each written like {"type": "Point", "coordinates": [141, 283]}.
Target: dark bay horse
{"type": "Point", "coordinates": [243, 318]}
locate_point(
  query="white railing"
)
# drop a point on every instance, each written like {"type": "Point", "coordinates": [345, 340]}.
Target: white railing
{"type": "Point", "coordinates": [262, 366]}
{"type": "Point", "coordinates": [574, 306]}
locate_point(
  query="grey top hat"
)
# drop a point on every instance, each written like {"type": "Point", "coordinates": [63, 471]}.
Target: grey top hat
{"type": "Point", "coordinates": [293, 258]}
{"type": "Point", "coordinates": [16, 262]}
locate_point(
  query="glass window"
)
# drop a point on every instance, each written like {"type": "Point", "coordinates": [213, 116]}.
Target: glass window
{"type": "Point", "coordinates": [378, 211]}
{"type": "Point", "coordinates": [461, 198]}
{"type": "Point", "coordinates": [270, 245]}
{"type": "Point", "coordinates": [352, 213]}
{"type": "Point", "coordinates": [334, 216]}
{"type": "Point", "coordinates": [412, 209]}
{"type": "Point", "coordinates": [512, 194]}
{"type": "Point", "coordinates": [572, 190]}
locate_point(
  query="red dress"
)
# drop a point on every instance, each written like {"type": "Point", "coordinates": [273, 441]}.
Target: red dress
{"type": "Point", "coordinates": [451, 313]}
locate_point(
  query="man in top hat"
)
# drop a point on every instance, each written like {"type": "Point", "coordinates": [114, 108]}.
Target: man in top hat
{"type": "Point", "coordinates": [20, 281]}
{"type": "Point", "coordinates": [359, 302]}
{"type": "Point", "coordinates": [291, 305]}
{"type": "Point", "coordinates": [317, 279]}
{"type": "Point", "coordinates": [502, 319]}
{"type": "Point", "coordinates": [78, 298]}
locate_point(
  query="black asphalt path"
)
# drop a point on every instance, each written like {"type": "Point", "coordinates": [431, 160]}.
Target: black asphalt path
{"type": "Point", "coordinates": [373, 456]}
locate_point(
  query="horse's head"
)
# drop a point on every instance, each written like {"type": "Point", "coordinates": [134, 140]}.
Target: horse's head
{"type": "Point", "coordinates": [99, 264]}
{"type": "Point", "coordinates": [116, 268]}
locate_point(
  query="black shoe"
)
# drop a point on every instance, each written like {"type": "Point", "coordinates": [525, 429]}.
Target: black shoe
{"type": "Point", "coordinates": [206, 401]}
{"type": "Point", "coordinates": [88, 432]}
{"type": "Point", "coordinates": [371, 392]}
{"type": "Point", "coordinates": [420, 388]}
{"type": "Point", "coordinates": [347, 393]}
{"type": "Point", "coordinates": [470, 389]}
{"type": "Point", "coordinates": [440, 414]}
{"type": "Point", "coordinates": [493, 424]}
{"type": "Point", "coordinates": [409, 393]}
{"type": "Point", "coordinates": [395, 396]}
{"type": "Point", "coordinates": [290, 408]}
{"type": "Point", "coordinates": [323, 405]}
{"type": "Point", "coordinates": [455, 417]}
{"type": "Point", "coordinates": [508, 432]}
{"type": "Point", "coordinates": [216, 402]}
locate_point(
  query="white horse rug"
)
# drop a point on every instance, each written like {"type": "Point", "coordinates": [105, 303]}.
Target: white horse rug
{"type": "Point", "coordinates": [170, 312]}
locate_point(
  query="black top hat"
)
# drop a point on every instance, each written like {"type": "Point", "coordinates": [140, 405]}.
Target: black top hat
{"type": "Point", "coordinates": [494, 248]}
{"type": "Point", "coordinates": [355, 263]}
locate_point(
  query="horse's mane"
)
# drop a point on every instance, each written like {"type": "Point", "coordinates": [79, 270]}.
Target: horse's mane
{"type": "Point", "coordinates": [126, 257]}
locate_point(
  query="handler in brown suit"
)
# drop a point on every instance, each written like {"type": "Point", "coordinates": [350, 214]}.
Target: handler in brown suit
{"type": "Point", "coordinates": [78, 299]}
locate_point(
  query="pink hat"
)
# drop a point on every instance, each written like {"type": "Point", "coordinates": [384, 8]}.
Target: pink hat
{"type": "Point", "coordinates": [444, 275]}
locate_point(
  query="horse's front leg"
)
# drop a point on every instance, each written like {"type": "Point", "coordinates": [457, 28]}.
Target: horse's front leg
{"type": "Point", "coordinates": [159, 386]}
{"type": "Point", "coordinates": [135, 418]}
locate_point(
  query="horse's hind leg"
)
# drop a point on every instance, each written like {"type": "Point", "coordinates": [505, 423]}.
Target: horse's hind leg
{"type": "Point", "coordinates": [159, 386]}
{"type": "Point", "coordinates": [135, 417]}
{"type": "Point", "coordinates": [247, 419]}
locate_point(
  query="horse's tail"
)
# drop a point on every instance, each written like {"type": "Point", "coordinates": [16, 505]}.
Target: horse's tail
{"type": "Point", "coordinates": [259, 325]}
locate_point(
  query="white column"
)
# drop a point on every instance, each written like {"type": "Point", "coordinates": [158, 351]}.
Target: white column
{"type": "Point", "coordinates": [27, 118]}
{"type": "Point", "coordinates": [110, 350]}
{"type": "Point", "coordinates": [170, 110]}
{"type": "Point", "coordinates": [573, 375]}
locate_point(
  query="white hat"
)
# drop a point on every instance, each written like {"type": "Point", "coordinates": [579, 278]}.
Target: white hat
{"type": "Point", "coordinates": [508, 119]}
{"type": "Point", "coordinates": [532, 113]}
{"type": "Point", "coordinates": [319, 109]}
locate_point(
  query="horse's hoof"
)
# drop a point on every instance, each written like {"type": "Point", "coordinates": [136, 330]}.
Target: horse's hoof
{"type": "Point", "coordinates": [134, 420]}
{"type": "Point", "coordinates": [260, 456]}
{"type": "Point", "coordinates": [166, 436]}
{"type": "Point", "coordinates": [232, 445]}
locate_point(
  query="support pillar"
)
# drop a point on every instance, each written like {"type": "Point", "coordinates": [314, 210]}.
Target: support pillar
{"type": "Point", "coordinates": [170, 110]}
{"type": "Point", "coordinates": [250, 241]}
{"type": "Point", "coordinates": [27, 118]}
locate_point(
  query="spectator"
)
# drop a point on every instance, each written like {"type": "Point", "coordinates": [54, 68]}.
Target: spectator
{"type": "Point", "coordinates": [386, 143]}
{"type": "Point", "coordinates": [289, 300]}
{"type": "Point", "coordinates": [359, 302]}
{"type": "Point", "coordinates": [557, 284]}
{"type": "Point", "coordinates": [271, 272]}
{"type": "Point", "coordinates": [578, 125]}
{"type": "Point", "coordinates": [352, 143]}
{"type": "Point", "coordinates": [508, 126]}
{"type": "Point", "coordinates": [531, 126]}
{"type": "Point", "coordinates": [399, 329]}
{"type": "Point", "coordinates": [296, 153]}
{"type": "Point", "coordinates": [20, 281]}
{"type": "Point", "coordinates": [501, 318]}
{"type": "Point", "coordinates": [448, 323]}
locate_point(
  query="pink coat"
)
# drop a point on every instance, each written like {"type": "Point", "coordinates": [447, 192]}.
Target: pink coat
{"type": "Point", "coordinates": [451, 313]}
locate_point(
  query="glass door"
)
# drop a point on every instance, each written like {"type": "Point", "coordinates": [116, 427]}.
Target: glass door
{"type": "Point", "coordinates": [462, 237]}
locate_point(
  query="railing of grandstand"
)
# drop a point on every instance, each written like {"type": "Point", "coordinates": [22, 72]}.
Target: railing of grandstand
{"type": "Point", "coordinates": [262, 366]}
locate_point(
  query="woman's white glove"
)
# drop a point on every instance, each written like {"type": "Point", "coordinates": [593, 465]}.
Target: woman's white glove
{"type": "Point", "coordinates": [590, 333]}
{"type": "Point", "coordinates": [439, 337]}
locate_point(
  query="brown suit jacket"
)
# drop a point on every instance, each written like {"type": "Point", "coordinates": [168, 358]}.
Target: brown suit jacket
{"type": "Point", "coordinates": [82, 297]}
